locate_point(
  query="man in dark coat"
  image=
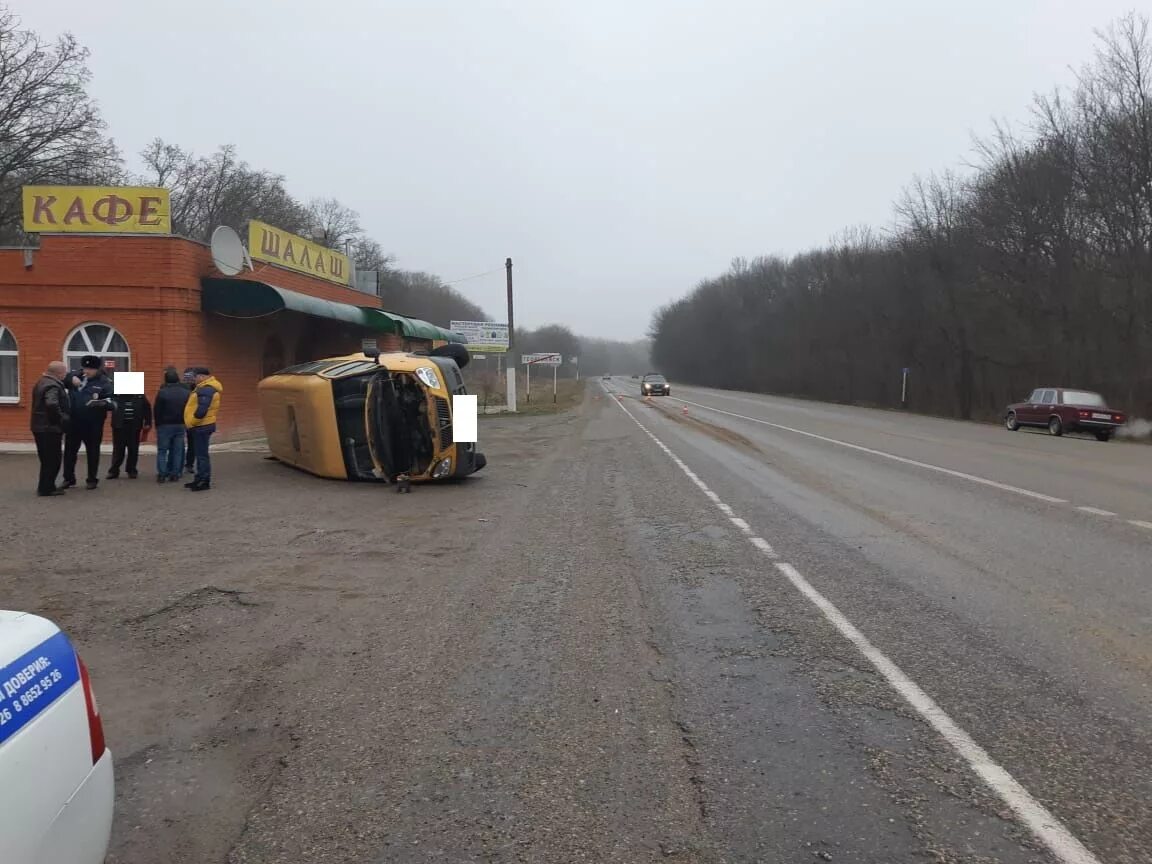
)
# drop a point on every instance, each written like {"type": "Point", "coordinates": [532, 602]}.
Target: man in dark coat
{"type": "Point", "coordinates": [91, 392]}
{"type": "Point", "coordinates": [168, 415]}
{"type": "Point", "coordinates": [131, 419]}
{"type": "Point", "coordinates": [51, 408]}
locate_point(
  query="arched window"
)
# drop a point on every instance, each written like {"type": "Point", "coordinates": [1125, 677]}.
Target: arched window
{"type": "Point", "coordinates": [101, 340]}
{"type": "Point", "coordinates": [9, 367]}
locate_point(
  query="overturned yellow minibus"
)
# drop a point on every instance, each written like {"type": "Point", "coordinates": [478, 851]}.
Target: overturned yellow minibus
{"type": "Point", "coordinates": [382, 417]}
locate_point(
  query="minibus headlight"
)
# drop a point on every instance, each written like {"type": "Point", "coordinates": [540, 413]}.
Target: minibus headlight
{"type": "Point", "coordinates": [428, 375]}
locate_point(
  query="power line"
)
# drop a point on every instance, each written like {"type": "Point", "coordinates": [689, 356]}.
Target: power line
{"type": "Point", "coordinates": [475, 276]}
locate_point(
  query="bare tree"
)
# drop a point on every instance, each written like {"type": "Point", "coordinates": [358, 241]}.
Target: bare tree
{"type": "Point", "coordinates": [220, 189]}
{"type": "Point", "coordinates": [422, 295]}
{"type": "Point", "coordinates": [332, 224]}
{"type": "Point", "coordinates": [1034, 268]}
{"type": "Point", "coordinates": [50, 128]}
{"type": "Point", "coordinates": [370, 255]}
{"type": "Point", "coordinates": [166, 164]}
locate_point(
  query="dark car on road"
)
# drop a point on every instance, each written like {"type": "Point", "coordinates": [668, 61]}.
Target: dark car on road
{"type": "Point", "coordinates": [654, 385]}
{"type": "Point", "coordinates": [1063, 410]}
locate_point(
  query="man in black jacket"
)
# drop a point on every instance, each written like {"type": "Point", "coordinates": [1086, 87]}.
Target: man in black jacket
{"type": "Point", "coordinates": [51, 408]}
{"type": "Point", "coordinates": [131, 418]}
{"type": "Point", "coordinates": [170, 430]}
{"type": "Point", "coordinates": [91, 394]}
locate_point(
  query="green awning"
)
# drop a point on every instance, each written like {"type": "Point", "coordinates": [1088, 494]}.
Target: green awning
{"type": "Point", "coordinates": [247, 298]}
{"type": "Point", "coordinates": [414, 328]}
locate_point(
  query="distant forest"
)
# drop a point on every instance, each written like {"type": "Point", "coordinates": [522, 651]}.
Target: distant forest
{"type": "Point", "coordinates": [595, 356]}
{"type": "Point", "coordinates": [1035, 268]}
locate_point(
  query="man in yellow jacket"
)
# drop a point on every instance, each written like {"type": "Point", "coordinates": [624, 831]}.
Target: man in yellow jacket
{"type": "Point", "coordinates": [200, 417]}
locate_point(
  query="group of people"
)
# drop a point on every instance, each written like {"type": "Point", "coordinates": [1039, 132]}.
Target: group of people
{"type": "Point", "coordinates": [71, 408]}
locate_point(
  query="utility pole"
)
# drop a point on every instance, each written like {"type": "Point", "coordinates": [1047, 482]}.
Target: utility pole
{"type": "Point", "coordinates": [511, 367]}
{"type": "Point", "coordinates": [511, 336]}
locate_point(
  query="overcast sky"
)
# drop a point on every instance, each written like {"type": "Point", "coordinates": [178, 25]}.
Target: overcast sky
{"type": "Point", "coordinates": [619, 152]}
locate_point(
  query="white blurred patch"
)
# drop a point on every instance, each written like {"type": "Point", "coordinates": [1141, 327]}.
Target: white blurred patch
{"type": "Point", "coordinates": [464, 422]}
{"type": "Point", "coordinates": [1135, 429]}
{"type": "Point", "coordinates": [128, 383]}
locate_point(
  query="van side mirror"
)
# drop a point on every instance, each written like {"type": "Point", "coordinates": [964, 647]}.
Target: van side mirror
{"type": "Point", "coordinates": [454, 350]}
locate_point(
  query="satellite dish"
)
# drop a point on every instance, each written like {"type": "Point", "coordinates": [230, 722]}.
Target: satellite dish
{"type": "Point", "coordinates": [228, 253]}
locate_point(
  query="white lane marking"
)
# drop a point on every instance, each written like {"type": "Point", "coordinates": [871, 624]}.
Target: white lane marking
{"type": "Point", "coordinates": [763, 545]}
{"type": "Point", "coordinates": [1039, 496]}
{"type": "Point", "coordinates": [1035, 815]}
{"type": "Point", "coordinates": [758, 542]}
{"type": "Point", "coordinates": [1140, 524]}
{"type": "Point", "coordinates": [1096, 511]}
{"type": "Point", "coordinates": [1047, 828]}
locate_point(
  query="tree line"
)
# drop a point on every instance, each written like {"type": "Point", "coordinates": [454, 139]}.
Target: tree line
{"type": "Point", "coordinates": [1034, 268]}
{"type": "Point", "coordinates": [52, 133]}
{"type": "Point", "coordinates": [595, 356]}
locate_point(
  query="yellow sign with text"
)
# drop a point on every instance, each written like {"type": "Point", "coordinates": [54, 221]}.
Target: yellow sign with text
{"type": "Point", "coordinates": [274, 246]}
{"type": "Point", "coordinates": [97, 210]}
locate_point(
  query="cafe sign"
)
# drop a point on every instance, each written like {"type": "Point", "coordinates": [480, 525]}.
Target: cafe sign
{"type": "Point", "coordinates": [274, 246]}
{"type": "Point", "coordinates": [96, 210]}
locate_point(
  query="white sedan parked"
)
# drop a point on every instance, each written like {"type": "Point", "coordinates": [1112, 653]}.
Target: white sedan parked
{"type": "Point", "coordinates": [56, 786]}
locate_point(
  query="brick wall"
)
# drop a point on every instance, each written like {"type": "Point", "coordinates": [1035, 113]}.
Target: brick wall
{"type": "Point", "coordinates": [148, 288]}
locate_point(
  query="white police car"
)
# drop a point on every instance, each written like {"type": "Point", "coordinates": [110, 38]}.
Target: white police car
{"type": "Point", "coordinates": [56, 786]}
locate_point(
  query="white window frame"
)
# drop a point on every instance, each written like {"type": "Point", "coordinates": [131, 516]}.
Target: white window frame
{"type": "Point", "coordinates": [15, 352]}
{"type": "Point", "coordinates": [100, 351]}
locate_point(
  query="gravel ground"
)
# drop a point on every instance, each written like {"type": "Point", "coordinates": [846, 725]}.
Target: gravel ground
{"type": "Point", "coordinates": [571, 657]}
{"type": "Point", "coordinates": [295, 669]}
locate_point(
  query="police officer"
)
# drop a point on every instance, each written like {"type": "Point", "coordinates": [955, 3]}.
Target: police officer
{"type": "Point", "coordinates": [131, 417]}
{"type": "Point", "coordinates": [91, 392]}
{"type": "Point", "coordinates": [51, 408]}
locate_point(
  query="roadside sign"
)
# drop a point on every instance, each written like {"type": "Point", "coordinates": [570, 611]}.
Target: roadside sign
{"type": "Point", "coordinates": [540, 359]}
{"type": "Point", "coordinates": [367, 345]}
{"type": "Point", "coordinates": [531, 360]}
{"type": "Point", "coordinates": [483, 336]}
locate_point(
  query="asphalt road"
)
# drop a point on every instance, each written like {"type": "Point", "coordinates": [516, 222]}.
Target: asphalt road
{"type": "Point", "coordinates": [601, 650]}
{"type": "Point", "coordinates": [1008, 575]}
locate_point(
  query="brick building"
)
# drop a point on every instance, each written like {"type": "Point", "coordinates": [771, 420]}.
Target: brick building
{"type": "Point", "coordinates": [144, 302]}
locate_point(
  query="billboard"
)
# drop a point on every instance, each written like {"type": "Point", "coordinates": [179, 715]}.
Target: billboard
{"type": "Point", "coordinates": [269, 244]}
{"type": "Point", "coordinates": [483, 336]}
{"type": "Point", "coordinates": [96, 210]}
